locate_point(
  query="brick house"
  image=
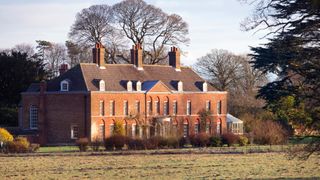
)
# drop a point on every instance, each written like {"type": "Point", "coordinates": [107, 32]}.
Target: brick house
{"type": "Point", "coordinates": [148, 100]}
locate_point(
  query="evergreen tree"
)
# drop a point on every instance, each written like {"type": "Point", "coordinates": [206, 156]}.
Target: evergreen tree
{"type": "Point", "coordinates": [293, 55]}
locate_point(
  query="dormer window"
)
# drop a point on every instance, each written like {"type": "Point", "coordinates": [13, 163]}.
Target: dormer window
{"type": "Point", "coordinates": [129, 85]}
{"type": "Point", "coordinates": [138, 86]}
{"type": "Point", "coordinates": [205, 87]}
{"type": "Point", "coordinates": [64, 85]}
{"type": "Point", "coordinates": [180, 86]}
{"type": "Point", "coordinates": [102, 85]}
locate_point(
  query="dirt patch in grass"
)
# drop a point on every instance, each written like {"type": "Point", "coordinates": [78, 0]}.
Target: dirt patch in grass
{"type": "Point", "coordinates": [181, 166]}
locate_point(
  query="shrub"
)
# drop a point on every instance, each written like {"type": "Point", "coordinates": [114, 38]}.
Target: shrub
{"type": "Point", "coordinates": [119, 141]}
{"type": "Point", "coordinates": [118, 129]}
{"type": "Point", "coordinates": [269, 132]}
{"type": "Point", "coordinates": [19, 145]}
{"type": "Point", "coordinates": [34, 147]}
{"type": "Point", "coordinates": [5, 136]}
{"type": "Point", "coordinates": [182, 142]}
{"type": "Point", "coordinates": [136, 144]}
{"type": "Point", "coordinates": [199, 140]}
{"type": "Point", "coordinates": [115, 141]}
{"type": "Point", "coordinates": [109, 144]}
{"type": "Point", "coordinates": [153, 142]}
{"type": "Point", "coordinates": [215, 141]}
{"type": "Point", "coordinates": [243, 140]}
{"type": "Point", "coordinates": [229, 139]}
{"type": "Point", "coordinates": [95, 144]}
{"type": "Point", "coordinates": [172, 142]}
{"type": "Point", "coordinates": [82, 144]}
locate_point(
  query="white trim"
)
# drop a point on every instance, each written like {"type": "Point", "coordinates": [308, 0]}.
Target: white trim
{"type": "Point", "coordinates": [72, 131]}
{"type": "Point", "coordinates": [64, 82]}
{"type": "Point", "coordinates": [102, 85]}
{"type": "Point", "coordinates": [31, 118]}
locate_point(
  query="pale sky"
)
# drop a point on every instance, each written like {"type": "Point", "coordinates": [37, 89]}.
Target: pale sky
{"type": "Point", "coordinates": [213, 24]}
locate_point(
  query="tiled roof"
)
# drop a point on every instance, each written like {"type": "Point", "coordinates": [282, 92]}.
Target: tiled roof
{"type": "Point", "coordinates": [86, 77]}
{"type": "Point", "coordinates": [34, 87]}
{"type": "Point", "coordinates": [116, 76]}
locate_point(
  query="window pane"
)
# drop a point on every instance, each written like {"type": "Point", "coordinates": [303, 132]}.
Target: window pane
{"type": "Point", "coordinates": [74, 132]}
{"type": "Point", "coordinates": [112, 108]}
{"type": "Point", "coordinates": [185, 130]}
{"type": "Point", "coordinates": [188, 107]}
{"type": "Point", "coordinates": [33, 117]}
{"type": "Point", "coordinates": [101, 108]}
{"type": "Point", "coordinates": [174, 107]}
{"type": "Point", "coordinates": [125, 108]}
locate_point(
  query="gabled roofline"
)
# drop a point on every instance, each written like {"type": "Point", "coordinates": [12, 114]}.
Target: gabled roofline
{"type": "Point", "coordinates": [82, 74]}
{"type": "Point", "coordinates": [158, 81]}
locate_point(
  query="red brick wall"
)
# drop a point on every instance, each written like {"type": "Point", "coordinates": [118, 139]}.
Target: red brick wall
{"type": "Point", "coordinates": [198, 101]}
{"type": "Point", "coordinates": [61, 110]}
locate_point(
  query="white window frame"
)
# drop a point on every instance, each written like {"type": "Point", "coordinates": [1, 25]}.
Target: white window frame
{"type": "Point", "coordinates": [180, 86]}
{"type": "Point", "coordinates": [137, 106]}
{"type": "Point", "coordinates": [33, 117]}
{"type": "Point", "coordinates": [149, 107]}
{"type": "Point", "coordinates": [157, 107]}
{"type": "Point", "coordinates": [112, 108]}
{"type": "Point", "coordinates": [133, 130]}
{"type": "Point", "coordinates": [208, 105]}
{"type": "Point", "coordinates": [129, 86]}
{"type": "Point", "coordinates": [138, 86]}
{"type": "Point", "coordinates": [73, 134]}
{"type": "Point", "coordinates": [64, 88]}
{"type": "Point", "coordinates": [185, 130]}
{"type": "Point", "coordinates": [175, 107]}
{"type": "Point", "coordinates": [101, 108]}
{"type": "Point", "coordinates": [111, 129]}
{"type": "Point", "coordinates": [125, 108]}
{"type": "Point", "coordinates": [205, 87]}
{"type": "Point", "coordinates": [219, 127]}
{"type": "Point", "coordinates": [196, 128]}
{"type": "Point", "coordinates": [207, 128]}
{"type": "Point", "coordinates": [102, 85]}
{"type": "Point", "coordinates": [165, 108]}
{"type": "Point", "coordinates": [101, 131]}
{"type": "Point", "coordinates": [188, 107]}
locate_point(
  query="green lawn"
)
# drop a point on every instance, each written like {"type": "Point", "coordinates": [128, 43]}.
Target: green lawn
{"type": "Point", "coordinates": [183, 166]}
{"type": "Point", "coordinates": [241, 149]}
{"type": "Point", "coordinates": [58, 149]}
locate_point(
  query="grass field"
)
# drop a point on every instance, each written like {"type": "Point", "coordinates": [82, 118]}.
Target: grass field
{"type": "Point", "coordinates": [199, 166]}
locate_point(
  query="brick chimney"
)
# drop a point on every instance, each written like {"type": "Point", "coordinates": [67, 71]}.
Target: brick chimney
{"type": "Point", "coordinates": [174, 58]}
{"type": "Point", "coordinates": [98, 54]}
{"type": "Point", "coordinates": [136, 56]}
{"type": "Point", "coordinates": [63, 68]}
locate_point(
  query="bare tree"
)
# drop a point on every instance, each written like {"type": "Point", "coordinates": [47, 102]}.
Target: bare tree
{"type": "Point", "coordinates": [55, 56]}
{"type": "Point", "coordinates": [233, 73]}
{"type": "Point", "coordinates": [130, 22]}
{"type": "Point", "coordinates": [52, 55]}
{"type": "Point", "coordinates": [145, 24]}
{"type": "Point", "coordinates": [77, 54]}
{"type": "Point", "coordinates": [220, 67]}
{"type": "Point", "coordinates": [92, 25]}
{"type": "Point", "coordinates": [24, 48]}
